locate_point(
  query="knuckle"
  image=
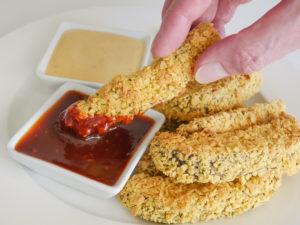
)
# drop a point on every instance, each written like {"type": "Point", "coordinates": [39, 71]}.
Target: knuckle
{"type": "Point", "coordinates": [249, 60]}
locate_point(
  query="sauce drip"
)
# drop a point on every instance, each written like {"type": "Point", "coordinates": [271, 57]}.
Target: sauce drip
{"type": "Point", "coordinates": [84, 125]}
{"type": "Point", "coordinates": [100, 157]}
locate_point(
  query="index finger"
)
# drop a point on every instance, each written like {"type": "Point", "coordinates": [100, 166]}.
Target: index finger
{"type": "Point", "coordinates": [176, 24]}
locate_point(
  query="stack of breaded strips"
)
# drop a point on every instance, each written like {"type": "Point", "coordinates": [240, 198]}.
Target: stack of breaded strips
{"type": "Point", "coordinates": [217, 159]}
{"type": "Point", "coordinates": [215, 166]}
{"type": "Point", "coordinates": [199, 100]}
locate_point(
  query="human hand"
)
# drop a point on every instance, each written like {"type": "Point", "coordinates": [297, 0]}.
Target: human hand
{"type": "Point", "coordinates": [273, 36]}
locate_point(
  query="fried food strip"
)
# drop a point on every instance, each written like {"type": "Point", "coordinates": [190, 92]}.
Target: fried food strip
{"type": "Point", "coordinates": [157, 198]}
{"type": "Point", "coordinates": [171, 125]}
{"type": "Point", "coordinates": [244, 143]}
{"type": "Point", "coordinates": [128, 95]}
{"type": "Point", "coordinates": [146, 165]}
{"type": "Point", "coordinates": [164, 79]}
{"type": "Point", "coordinates": [234, 119]}
{"type": "Point", "coordinates": [202, 100]}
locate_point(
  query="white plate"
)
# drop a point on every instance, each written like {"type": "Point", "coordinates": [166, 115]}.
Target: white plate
{"type": "Point", "coordinates": [25, 197]}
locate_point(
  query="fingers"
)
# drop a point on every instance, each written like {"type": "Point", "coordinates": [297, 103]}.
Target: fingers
{"type": "Point", "coordinates": [165, 8]}
{"type": "Point", "coordinates": [209, 14]}
{"type": "Point", "coordinates": [179, 16]}
{"type": "Point", "coordinates": [220, 27]}
{"type": "Point", "coordinates": [226, 10]}
{"type": "Point", "coordinates": [273, 36]}
{"type": "Point", "coordinates": [176, 24]}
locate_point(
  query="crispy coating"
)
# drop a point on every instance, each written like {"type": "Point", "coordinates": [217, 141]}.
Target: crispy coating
{"type": "Point", "coordinates": [220, 148]}
{"type": "Point", "coordinates": [202, 100]}
{"type": "Point", "coordinates": [146, 165]}
{"type": "Point", "coordinates": [154, 196]}
{"type": "Point", "coordinates": [165, 78]}
{"type": "Point", "coordinates": [234, 119]}
{"type": "Point", "coordinates": [158, 198]}
{"type": "Point", "coordinates": [171, 125]}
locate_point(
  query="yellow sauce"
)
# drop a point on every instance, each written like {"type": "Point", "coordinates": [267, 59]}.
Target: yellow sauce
{"type": "Point", "coordinates": [95, 56]}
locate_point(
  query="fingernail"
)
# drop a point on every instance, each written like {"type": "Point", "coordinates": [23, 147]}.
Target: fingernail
{"type": "Point", "coordinates": [210, 72]}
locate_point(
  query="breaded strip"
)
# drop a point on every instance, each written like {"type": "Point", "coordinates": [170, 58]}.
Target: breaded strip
{"type": "Point", "coordinates": [216, 157]}
{"type": "Point", "coordinates": [171, 125]}
{"type": "Point", "coordinates": [146, 165]}
{"type": "Point", "coordinates": [165, 78]}
{"type": "Point", "coordinates": [159, 199]}
{"type": "Point", "coordinates": [234, 119]}
{"type": "Point", "coordinates": [202, 100]}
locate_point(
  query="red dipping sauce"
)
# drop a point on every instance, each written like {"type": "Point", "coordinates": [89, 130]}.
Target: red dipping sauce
{"type": "Point", "coordinates": [102, 157]}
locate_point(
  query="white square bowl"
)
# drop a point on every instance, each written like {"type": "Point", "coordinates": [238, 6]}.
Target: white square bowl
{"type": "Point", "coordinates": [54, 81]}
{"type": "Point", "coordinates": [66, 176]}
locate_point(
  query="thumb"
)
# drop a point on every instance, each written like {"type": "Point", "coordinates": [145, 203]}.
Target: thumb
{"type": "Point", "coordinates": [270, 38]}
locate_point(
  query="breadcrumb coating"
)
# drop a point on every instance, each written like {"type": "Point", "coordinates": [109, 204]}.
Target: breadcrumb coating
{"type": "Point", "coordinates": [206, 99]}
{"type": "Point", "coordinates": [265, 133]}
{"type": "Point", "coordinates": [241, 143]}
{"type": "Point", "coordinates": [146, 165]}
{"type": "Point", "coordinates": [165, 78]}
{"type": "Point", "coordinates": [235, 119]}
{"type": "Point", "coordinates": [171, 125]}
{"type": "Point", "coordinates": [158, 198]}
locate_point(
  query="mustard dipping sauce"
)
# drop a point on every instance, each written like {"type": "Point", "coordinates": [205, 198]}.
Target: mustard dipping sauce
{"type": "Point", "coordinates": [95, 56]}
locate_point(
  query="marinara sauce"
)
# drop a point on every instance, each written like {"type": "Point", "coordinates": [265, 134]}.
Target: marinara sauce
{"type": "Point", "coordinates": [100, 157]}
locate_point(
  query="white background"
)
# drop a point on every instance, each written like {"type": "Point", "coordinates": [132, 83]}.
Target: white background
{"type": "Point", "coordinates": [16, 13]}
